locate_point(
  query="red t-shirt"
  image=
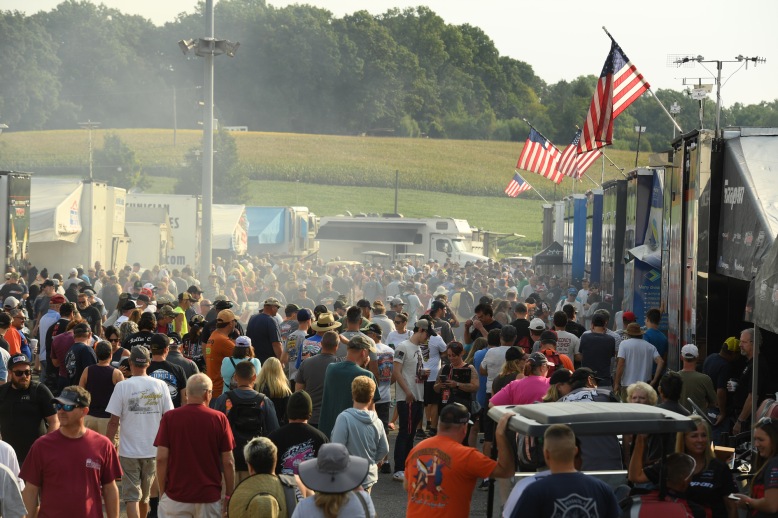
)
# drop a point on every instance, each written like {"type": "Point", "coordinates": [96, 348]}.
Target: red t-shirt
{"type": "Point", "coordinates": [196, 437]}
{"type": "Point", "coordinates": [71, 472]}
{"type": "Point", "coordinates": [59, 349]}
{"type": "Point", "coordinates": [441, 475]}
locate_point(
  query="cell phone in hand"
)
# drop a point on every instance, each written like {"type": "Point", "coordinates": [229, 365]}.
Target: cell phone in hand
{"type": "Point", "coordinates": [734, 497]}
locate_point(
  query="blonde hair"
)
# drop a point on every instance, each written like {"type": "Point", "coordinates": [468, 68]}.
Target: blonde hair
{"type": "Point", "coordinates": [362, 389]}
{"type": "Point", "coordinates": [272, 377]}
{"type": "Point", "coordinates": [478, 344]}
{"type": "Point", "coordinates": [645, 387]}
{"type": "Point", "coordinates": [680, 438]}
{"type": "Point", "coordinates": [330, 503]}
{"type": "Point", "coordinates": [552, 394]}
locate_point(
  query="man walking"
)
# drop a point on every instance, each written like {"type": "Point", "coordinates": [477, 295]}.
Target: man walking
{"type": "Point", "coordinates": [194, 447]}
{"type": "Point", "coordinates": [264, 332]}
{"type": "Point", "coordinates": [25, 408]}
{"type": "Point", "coordinates": [310, 376]}
{"type": "Point", "coordinates": [138, 404]}
{"type": "Point", "coordinates": [77, 466]}
{"type": "Point", "coordinates": [635, 358]}
{"type": "Point", "coordinates": [410, 376]}
{"type": "Point", "coordinates": [696, 386]}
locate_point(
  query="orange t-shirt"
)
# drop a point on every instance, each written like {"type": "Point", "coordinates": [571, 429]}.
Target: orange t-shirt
{"type": "Point", "coordinates": [441, 475]}
{"type": "Point", "coordinates": [14, 341]}
{"type": "Point", "coordinates": [217, 349]}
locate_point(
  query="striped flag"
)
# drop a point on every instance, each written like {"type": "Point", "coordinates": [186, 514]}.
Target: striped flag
{"type": "Point", "coordinates": [574, 165]}
{"type": "Point", "coordinates": [517, 186]}
{"type": "Point", "coordinates": [620, 84]}
{"type": "Point", "coordinates": [540, 156]}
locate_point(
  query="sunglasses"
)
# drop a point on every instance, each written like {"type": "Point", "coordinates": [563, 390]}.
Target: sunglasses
{"type": "Point", "coordinates": [112, 340]}
{"type": "Point", "coordinates": [66, 408]}
{"type": "Point", "coordinates": [400, 322]}
{"type": "Point", "coordinates": [767, 420]}
{"type": "Point", "coordinates": [19, 374]}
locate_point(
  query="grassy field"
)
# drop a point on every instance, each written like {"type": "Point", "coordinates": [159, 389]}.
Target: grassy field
{"type": "Point", "coordinates": [332, 174]}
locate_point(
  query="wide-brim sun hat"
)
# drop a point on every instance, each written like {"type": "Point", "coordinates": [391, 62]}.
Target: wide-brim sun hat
{"type": "Point", "coordinates": [333, 470]}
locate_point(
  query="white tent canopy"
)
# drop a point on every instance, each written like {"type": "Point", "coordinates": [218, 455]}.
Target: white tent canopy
{"type": "Point", "coordinates": [230, 228]}
{"type": "Point", "coordinates": [55, 209]}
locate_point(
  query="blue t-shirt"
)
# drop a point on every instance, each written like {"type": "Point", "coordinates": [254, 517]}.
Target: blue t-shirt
{"type": "Point", "coordinates": [263, 331]}
{"type": "Point", "coordinates": [658, 339]}
{"type": "Point", "coordinates": [480, 396]}
{"type": "Point", "coordinates": [568, 494]}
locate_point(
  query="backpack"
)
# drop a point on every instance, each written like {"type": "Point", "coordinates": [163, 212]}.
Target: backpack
{"type": "Point", "coordinates": [246, 417]}
{"type": "Point", "coordinates": [233, 380]}
{"type": "Point", "coordinates": [466, 306]}
{"type": "Point", "coordinates": [552, 358]}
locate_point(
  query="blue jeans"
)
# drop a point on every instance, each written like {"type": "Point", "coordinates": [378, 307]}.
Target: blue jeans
{"type": "Point", "coordinates": [409, 417]}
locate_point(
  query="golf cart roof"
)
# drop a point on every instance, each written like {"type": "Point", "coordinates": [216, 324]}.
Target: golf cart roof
{"type": "Point", "coordinates": [592, 418]}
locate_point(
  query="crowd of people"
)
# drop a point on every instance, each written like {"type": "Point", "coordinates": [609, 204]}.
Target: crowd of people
{"type": "Point", "coordinates": [272, 387]}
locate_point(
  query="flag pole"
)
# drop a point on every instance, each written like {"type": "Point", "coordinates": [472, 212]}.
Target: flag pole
{"type": "Point", "coordinates": [621, 169]}
{"type": "Point", "coordinates": [590, 178]}
{"type": "Point", "coordinates": [669, 116]}
{"type": "Point", "coordinates": [538, 192]}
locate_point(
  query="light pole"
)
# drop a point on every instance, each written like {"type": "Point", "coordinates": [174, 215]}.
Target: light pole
{"type": "Point", "coordinates": [89, 125]}
{"type": "Point", "coordinates": [208, 47]}
{"type": "Point", "coordinates": [675, 109]}
{"type": "Point", "coordinates": [640, 130]}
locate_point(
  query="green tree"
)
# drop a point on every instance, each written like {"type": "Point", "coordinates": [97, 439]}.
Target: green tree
{"type": "Point", "coordinates": [29, 88]}
{"type": "Point", "coordinates": [230, 183]}
{"type": "Point", "coordinates": [116, 164]}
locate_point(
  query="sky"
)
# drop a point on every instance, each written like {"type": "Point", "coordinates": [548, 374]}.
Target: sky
{"type": "Point", "coordinates": [562, 39]}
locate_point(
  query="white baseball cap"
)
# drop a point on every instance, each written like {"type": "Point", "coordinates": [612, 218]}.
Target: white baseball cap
{"type": "Point", "coordinates": [537, 324]}
{"type": "Point", "coordinates": [690, 351]}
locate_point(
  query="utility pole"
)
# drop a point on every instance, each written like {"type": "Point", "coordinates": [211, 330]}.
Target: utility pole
{"type": "Point", "coordinates": [89, 125]}
{"type": "Point", "coordinates": [175, 117]}
{"type": "Point", "coordinates": [640, 130]}
{"type": "Point", "coordinates": [396, 188]}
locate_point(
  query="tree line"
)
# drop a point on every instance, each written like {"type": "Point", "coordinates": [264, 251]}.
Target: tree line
{"type": "Point", "coordinates": [301, 69]}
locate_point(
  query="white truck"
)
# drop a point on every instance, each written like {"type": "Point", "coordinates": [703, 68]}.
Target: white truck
{"type": "Point", "coordinates": [441, 239]}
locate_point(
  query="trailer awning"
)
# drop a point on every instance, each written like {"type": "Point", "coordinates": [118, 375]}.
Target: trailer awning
{"type": "Point", "coordinates": [365, 233]}
{"type": "Point", "coordinates": [267, 225]}
{"type": "Point", "coordinates": [230, 228]}
{"type": "Point", "coordinates": [749, 203]}
{"type": "Point", "coordinates": [55, 210]}
{"type": "Point", "coordinates": [551, 255]}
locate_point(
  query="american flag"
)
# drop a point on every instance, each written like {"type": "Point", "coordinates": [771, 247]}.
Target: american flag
{"type": "Point", "coordinates": [620, 84]}
{"type": "Point", "coordinates": [574, 165]}
{"type": "Point", "coordinates": [540, 156]}
{"type": "Point", "coordinates": [517, 186]}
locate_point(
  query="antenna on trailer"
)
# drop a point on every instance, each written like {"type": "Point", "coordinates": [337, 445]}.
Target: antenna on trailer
{"type": "Point", "coordinates": [688, 61]}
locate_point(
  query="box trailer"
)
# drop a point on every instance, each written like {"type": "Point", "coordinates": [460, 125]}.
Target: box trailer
{"type": "Point", "coordinates": [281, 231]}
{"type": "Point", "coordinates": [441, 239]}
{"type": "Point", "coordinates": [70, 224]}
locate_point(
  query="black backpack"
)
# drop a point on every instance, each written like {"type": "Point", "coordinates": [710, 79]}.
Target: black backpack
{"type": "Point", "coordinates": [246, 417]}
{"type": "Point", "coordinates": [466, 302]}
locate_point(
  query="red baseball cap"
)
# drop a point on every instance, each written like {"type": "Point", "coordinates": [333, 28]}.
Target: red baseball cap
{"type": "Point", "coordinates": [628, 316]}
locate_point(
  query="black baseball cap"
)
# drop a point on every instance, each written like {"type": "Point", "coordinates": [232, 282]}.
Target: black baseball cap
{"type": "Point", "coordinates": [455, 413]}
{"type": "Point", "coordinates": [17, 359]}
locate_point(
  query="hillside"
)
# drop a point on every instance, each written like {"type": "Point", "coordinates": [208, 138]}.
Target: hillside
{"type": "Point", "coordinates": [332, 174]}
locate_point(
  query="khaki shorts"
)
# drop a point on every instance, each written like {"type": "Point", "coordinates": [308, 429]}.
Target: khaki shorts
{"type": "Point", "coordinates": [100, 425]}
{"type": "Point", "coordinates": [137, 478]}
{"type": "Point", "coordinates": [169, 508]}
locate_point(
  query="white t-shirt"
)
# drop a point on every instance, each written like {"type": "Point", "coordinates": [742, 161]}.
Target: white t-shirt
{"type": "Point", "coordinates": [493, 362]}
{"type": "Point", "coordinates": [8, 459]}
{"type": "Point", "coordinates": [395, 338]}
{"type": "Point", "coordinates": [639, 358]}
{"type": "Point", "coordinates": [139, 402]}
{"type": "Point", "coordinates": [431, 353]}
{"type": "Point", "coordinates": [385, 359]}
{"type": "Point", "coordinates": [408, 355]}
{"type": "Point", "coordinates": [567, 343]}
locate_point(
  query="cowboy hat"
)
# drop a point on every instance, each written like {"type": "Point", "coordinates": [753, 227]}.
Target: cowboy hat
{"type": "Point", "coordinates": [326, 322]}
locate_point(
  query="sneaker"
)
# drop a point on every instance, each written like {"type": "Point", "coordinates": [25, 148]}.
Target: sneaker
{"type": "Point", "coordinates": [484, 486]}
{"type": "Point", "coordinates": [432, 432]}
{"type": "Point", "coordinates": [421, 434]}
{"type": "Point", "coordinates": [399, 476]}
{"type": "Point", "coordinates": [386, 468]}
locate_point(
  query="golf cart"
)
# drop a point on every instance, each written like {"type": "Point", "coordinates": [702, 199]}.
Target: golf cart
{"type": "Point", "coordinates": [591, 418]}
